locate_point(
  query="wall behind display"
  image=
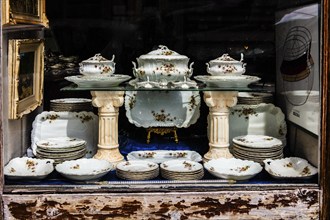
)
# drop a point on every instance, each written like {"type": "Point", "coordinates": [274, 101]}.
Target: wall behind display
{"type": "Point", "coordinates": [298, 77]}
{"type": "Point", "coordinates": [202, 30]}
{"type": "Point", "coordinates": [297, 66]}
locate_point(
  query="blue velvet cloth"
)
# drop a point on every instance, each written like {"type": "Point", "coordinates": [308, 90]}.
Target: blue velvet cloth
{"type": "Point", "coordinates": [158, 142]}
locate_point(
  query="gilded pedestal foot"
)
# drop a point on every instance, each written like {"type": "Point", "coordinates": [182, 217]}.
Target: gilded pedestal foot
{"type": "Point", "coordinates": [162, 131]}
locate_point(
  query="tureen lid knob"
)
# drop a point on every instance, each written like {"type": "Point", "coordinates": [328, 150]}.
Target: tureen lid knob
{"type": "Point", "coordinates": [163, 47]}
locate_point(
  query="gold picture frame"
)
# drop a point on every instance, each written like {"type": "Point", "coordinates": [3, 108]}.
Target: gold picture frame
{"type": "Point", "coordinates": [25, 76]}
{"type": "Point", "coordinates": [24, 11]}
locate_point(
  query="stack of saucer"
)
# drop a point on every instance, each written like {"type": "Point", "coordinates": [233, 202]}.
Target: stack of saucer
{"type": "Point", "coordinates": [181, 170]}
{"type": "Point", "coordinates": [71, 105]}
{"type": "Point", "coordinates": [61, 149]}
{"type": "Point", "coordinates": [137, 170]}
{"type": "Point", "coordinates": [257, 148]}
{"type": "Point", "coordinates": [254, 98]}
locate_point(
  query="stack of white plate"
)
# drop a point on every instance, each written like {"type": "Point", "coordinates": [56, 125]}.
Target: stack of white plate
{"type": "Point", "coordinates": [61, 149]}
{"type": "Point", "coordinates": [71, 105]}
{"type": "Point", "coordinates": [137, 170]}
{"type": "Point", "coordinates": [254, 98]}
{"type": "Point", "coordinates": [257, 148]}
{"type": "Point", "coordinates": [181, 170]}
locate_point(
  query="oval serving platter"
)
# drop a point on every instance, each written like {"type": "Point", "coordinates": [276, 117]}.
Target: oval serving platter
{"type": "Point", "coordinates": [82, 125]}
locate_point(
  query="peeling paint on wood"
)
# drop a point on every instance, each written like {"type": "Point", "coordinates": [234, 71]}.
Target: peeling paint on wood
{"type": "Point", "coordinates": [277, 204]}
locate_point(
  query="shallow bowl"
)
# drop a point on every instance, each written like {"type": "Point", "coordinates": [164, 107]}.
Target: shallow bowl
{"type": "Point", "coordinates": [232, 168]}
{"type": "Point", "coordinates": [84, 169]}
{"type": "Point", "coordinates": [28, 168]}
{"type": "Point", "coordinates": [290, 167]}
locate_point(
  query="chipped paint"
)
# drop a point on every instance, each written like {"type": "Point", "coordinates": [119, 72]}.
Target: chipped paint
{"type": "Point", "coordinates": [308, 197]}
{"type": "Point", "coordinates": [276, 204]}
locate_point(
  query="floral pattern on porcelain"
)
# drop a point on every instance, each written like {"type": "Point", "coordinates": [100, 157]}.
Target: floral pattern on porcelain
{"type": "Point", "coordinates": [162, 108]}
{"type": "Point", "coordinates": [233, 168]}
{"type": "Point", "coordinates": [28, 168]}
{"type": "Point", "coordinates": [163, 65]}
{"type": "Point", "coordinates": [97, 65]}
{"type": "Point", "coordinates": [81, 169]}
{"type": "Point", "coordinates": [290, 167]}
{"type": "Point", "coordinates": [226, 65]}
{"type": "Point", "coordinates": [160, 156]}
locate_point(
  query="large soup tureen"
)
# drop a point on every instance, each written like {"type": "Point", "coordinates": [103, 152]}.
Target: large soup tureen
{"type": "Point", "coordinates": [162, 65]}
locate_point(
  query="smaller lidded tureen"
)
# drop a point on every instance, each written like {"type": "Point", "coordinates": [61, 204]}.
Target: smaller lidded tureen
{"type": "Point", "coordinates": [97, 65]}
{"type": "Point", "coordinates": [162, 65]}
{"type": "Point", "coordinates": [226, 65]}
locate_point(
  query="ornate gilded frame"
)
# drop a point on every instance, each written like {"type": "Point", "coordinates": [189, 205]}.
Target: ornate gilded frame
{"type": "Point", "coordinates": [33, 14]}
{"type": "Point", "coordinates": [25, 76]}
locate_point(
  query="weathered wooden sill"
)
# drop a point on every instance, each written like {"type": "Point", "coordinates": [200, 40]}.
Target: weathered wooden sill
{"type": "Point", "coordinates": [153, 186]}
{"type": "Point", "coordinates": [299, 203]}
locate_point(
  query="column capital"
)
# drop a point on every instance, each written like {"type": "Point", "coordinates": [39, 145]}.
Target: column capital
{"type": "Point", "coordinates": [107, 100]}
{"type": "Point", "coordinates": [217, 100]}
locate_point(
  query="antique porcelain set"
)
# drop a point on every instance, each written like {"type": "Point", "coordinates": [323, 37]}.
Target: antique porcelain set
{"type": "Point", "coordinates": [163, 68]}
{"type": "Point", "coordinates": [160, 69]}
{"type": "Point", "coordinates": [177, 168]}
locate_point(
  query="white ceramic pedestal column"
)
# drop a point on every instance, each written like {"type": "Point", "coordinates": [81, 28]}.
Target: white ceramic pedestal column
{"type": "Point", "coordinates": [108, 103]}
{"type": "Point", "coordinates": [218, 122]}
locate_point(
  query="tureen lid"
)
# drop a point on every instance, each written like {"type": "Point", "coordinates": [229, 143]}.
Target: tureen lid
{"type": "Point", "coordinates": [226, 58]}
{"type": "Point", "coordinates": [98, 58]}
{"type": "Point", "coordinates": [163, 53]}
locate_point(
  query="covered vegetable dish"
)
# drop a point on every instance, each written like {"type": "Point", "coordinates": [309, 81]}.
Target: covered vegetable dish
{"type": "Point", "coordinates": [226, 65]}
{"type": "Point", "coordinates": [97, 65]}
